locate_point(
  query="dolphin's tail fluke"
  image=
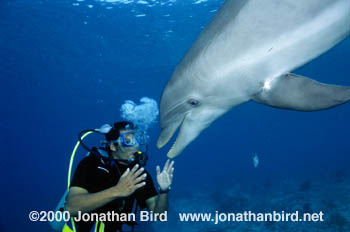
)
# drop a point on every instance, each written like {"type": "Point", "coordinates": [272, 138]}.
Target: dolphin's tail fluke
{"type": "Point", "coordinates": [295, 92]}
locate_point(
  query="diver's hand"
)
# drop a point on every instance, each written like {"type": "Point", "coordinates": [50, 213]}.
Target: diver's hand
{"type": "Point", "coordinates": [165, 178]}
{"type": "Point", "coordinates": [130, 181]}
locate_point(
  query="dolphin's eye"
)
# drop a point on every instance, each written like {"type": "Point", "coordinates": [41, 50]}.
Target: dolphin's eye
{"type": "Point", "coordinates": [193, 102]}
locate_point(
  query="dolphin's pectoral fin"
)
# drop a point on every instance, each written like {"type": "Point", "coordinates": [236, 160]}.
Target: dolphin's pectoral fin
{"type": "Point", "coordinates": [295, 92]}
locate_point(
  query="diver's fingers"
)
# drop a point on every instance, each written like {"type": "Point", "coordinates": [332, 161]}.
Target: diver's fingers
{"type": "Point", "coordinates": [125, 173]}
{"type": "Point", "coordinates": [140, 178]}
{"type": "Point", "coordinates": [138, 172]}
{"type": "Point", "coordinates": [137, 186]}
{"type": "Point", "coordinates": [170, 166]}
{"type": "Point", "coordinates": [171, 172]}
{"type": "Point", "coordinates": [166, 165]}
{"type": "Point", "coordinates": [158, 170]}
{"type": "Point", "coordinates": [133, 170]}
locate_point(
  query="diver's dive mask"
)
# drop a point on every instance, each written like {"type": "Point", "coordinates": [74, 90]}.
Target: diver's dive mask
{"type": "Point", "coordinates": [128, 139]}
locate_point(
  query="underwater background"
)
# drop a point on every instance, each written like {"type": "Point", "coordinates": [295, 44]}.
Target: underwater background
{"type": "Point", "coordinates": [69, 65]}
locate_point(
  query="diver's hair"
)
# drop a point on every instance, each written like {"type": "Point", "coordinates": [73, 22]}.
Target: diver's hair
{"type": "Point", "coordinates": [114, 133]}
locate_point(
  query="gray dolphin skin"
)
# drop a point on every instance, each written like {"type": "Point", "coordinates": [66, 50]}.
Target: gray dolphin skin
{"type": "Point", "coordinates": [247, 53]}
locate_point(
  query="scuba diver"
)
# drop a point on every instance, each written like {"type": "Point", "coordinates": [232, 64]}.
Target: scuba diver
{"type": "Point", "coordinates": [112, 178]}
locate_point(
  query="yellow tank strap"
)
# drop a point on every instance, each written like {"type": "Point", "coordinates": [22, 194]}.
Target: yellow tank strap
{"type": "Point", "coordinates": [73, 225]}
{"type": "Point", "coordinates": [66, 228]}
{"type": "Point", "coordinates": [99, 227]}
{"type": "Point", "coordinates": [102, 227]}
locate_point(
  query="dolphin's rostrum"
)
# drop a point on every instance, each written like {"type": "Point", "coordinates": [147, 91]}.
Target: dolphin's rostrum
{"type": "Point", "coordinates": [247, 53]}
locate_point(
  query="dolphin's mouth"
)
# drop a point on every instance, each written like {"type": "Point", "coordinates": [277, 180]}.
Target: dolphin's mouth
{"type": "Point", "coordinates": [166, 134]}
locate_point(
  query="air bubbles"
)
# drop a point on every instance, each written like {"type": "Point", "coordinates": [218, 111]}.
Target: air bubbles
{"type": "Point", "coordinates": [142, 115]}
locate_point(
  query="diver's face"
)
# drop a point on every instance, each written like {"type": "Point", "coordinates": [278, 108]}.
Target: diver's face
{"type": "Point", "coordinates": [122, 152]}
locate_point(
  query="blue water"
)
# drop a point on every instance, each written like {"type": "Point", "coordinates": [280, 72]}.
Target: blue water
{"type": "Point", "coordinates": [69, 65]}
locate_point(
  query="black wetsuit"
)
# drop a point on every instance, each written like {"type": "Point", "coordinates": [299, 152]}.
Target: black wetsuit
{"type": "Point", "coordinates": [96, 173]}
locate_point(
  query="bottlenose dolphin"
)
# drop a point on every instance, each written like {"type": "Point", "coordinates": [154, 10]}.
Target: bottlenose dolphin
{"type": "Point", "coordinates": [246, 53]}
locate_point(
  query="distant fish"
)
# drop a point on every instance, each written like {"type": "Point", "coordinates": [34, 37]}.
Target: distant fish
{"type": "Point", "coordinates": [255, 160]}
